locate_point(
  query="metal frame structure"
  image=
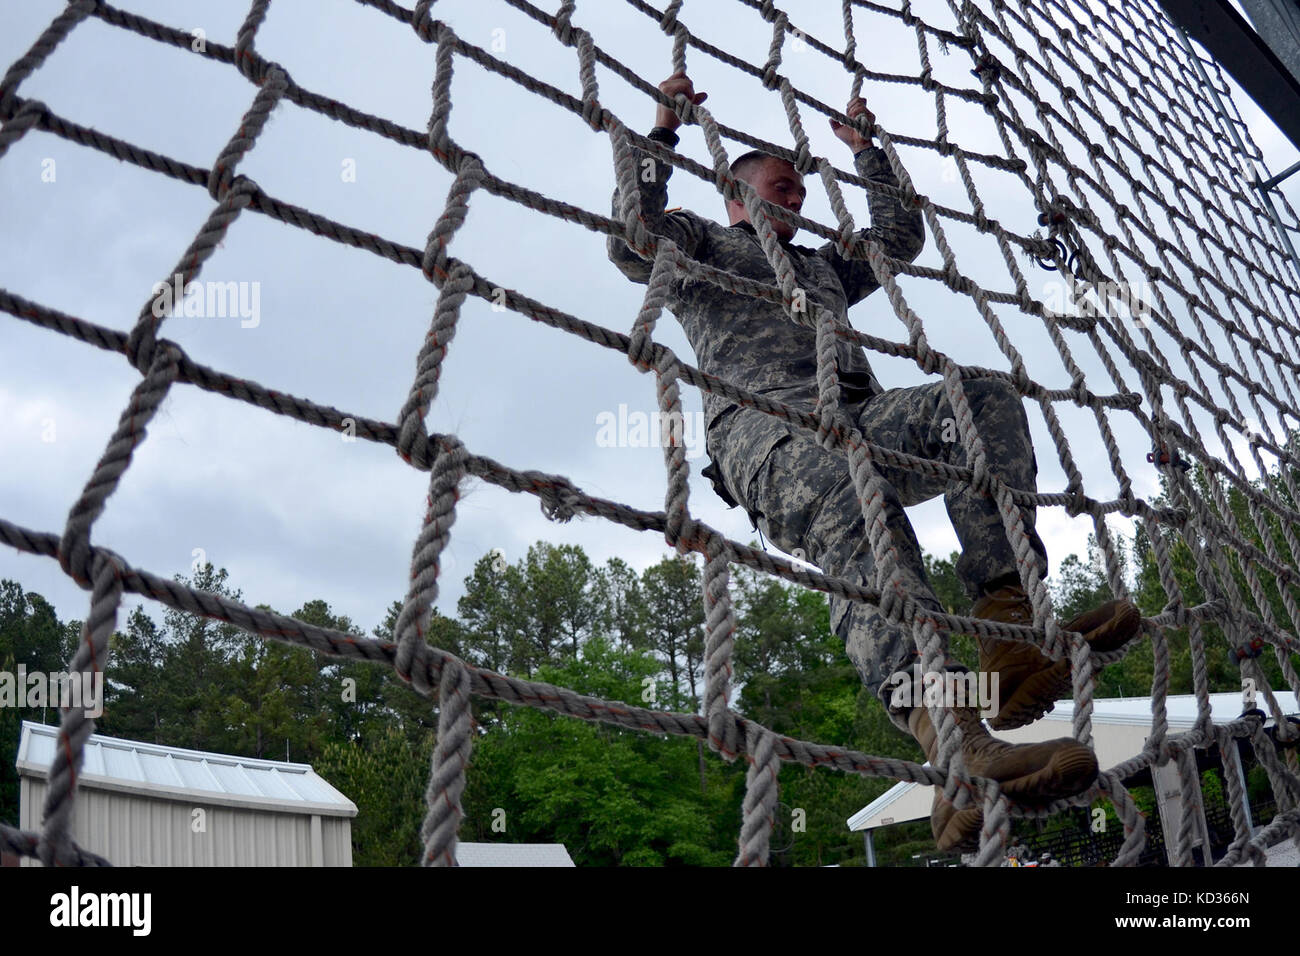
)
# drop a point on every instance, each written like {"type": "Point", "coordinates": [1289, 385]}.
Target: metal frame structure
{"type": "Point", "coordinates": [1255, 64]}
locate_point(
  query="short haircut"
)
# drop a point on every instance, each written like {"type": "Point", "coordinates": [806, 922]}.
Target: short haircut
{"type": "Point", "coordinates": [744, 165]}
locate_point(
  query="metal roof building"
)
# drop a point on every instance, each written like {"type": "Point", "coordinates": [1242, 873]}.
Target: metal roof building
{"type": "Point", "coordinates": [144, 805]}
{"type": "Point", "coordinates": [512, 854]}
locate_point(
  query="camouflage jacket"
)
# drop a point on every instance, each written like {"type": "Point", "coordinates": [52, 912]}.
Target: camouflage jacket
{"type": "Point", "coordinates": [751, 342]}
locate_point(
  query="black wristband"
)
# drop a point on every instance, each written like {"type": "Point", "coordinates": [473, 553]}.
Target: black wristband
{"type": "Point", "coordinates": [663, 134]}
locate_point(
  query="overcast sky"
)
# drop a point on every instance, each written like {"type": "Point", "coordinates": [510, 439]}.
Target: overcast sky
{"type": "Point", "coordinates": [294, 512]}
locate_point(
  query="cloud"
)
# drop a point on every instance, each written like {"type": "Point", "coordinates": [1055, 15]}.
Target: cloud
{"type": "Point", "coordinates": [294, 512]}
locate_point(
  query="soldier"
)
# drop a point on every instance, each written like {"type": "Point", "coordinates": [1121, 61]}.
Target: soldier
{"type": "Point", "coordinates": [802, 496]}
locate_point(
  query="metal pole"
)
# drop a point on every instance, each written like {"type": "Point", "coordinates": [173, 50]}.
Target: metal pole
{"type": "Point", "coordinates": [1281, 176]}
{"type": "Point", "coordinates": [1214, 92]}
{"type": "Point", "coordinates": [1277, 224]}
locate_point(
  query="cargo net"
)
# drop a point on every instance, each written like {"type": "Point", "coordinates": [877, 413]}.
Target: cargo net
{"type": "Point", "coordinates": [1054, 79]}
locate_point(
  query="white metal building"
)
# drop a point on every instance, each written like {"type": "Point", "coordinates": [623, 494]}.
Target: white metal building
{"type": "Point", "coordinates": [512, 854]}
{"type": "Point", "coordinates": [143, 805]}
{"type": "Point", "coordinates": [1120, 727]}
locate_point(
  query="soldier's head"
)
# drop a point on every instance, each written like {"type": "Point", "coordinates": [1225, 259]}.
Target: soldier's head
{"type": "Point", "coordinates": [773, 179]}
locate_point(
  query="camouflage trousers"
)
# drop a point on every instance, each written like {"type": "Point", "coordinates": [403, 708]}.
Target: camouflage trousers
{"type": "Point", "coordinates": [802, 496]}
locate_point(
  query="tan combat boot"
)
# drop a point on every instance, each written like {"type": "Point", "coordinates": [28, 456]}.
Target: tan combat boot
{"type": "Point", "coordinates": [1029, 684]}
{"type": "Point", "coordinates": [1031, 774]}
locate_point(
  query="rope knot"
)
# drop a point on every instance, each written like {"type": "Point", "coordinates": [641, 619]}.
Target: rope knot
{"type": "Point", "coordinates": [417, 666]}
{"type": "Point", "coordinates": [803, 159]}
{"type": "Point", "coordinates": [1031, 306]}
{"type": "Point", "coordinates": [563, 29]}
{"type": "Point", "coordinates": [559, 500]}
{"type": "Point", "coordinates": [424, 25]}
{"type": "Point", "coordinates": [1128, 503]}
{"type": "Point", "coordinates": [254, 67]}
{"type": "Point", "coordinates": [28, 115]}
{"type": "Point", "coordinates": [684, 108]}
{"type": "Point", "coordinates": [640, 348]}
{"type": "Point", "coordinates": [668, 368]}
{"type": "Point", "coordinates": [680, 530]}
{"type": "Point", "coordinates": [247, 61]}
{"type": "Point", "coordinates": [1077, 503]}
{"type": "Point", "coordinates": [926, 357]}
{"type": "Point", "coordinates": [847, 241]}
{"type": "Point", "coordinates": [77, 558]}
{"type": "Point", "coordinates": [593, 114]}
{"type": "Point", "coordinates": [987, 68]}
{"type": "Point", "coordinates": [223, 180]}
{"type": "Point", "coordinates": [981, 478]}
{"type": "Point", "coordinates": [953, 277]}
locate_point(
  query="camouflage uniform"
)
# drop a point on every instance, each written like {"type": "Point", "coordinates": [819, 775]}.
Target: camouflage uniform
{"type": "Point", "coordinates": [797, 492]}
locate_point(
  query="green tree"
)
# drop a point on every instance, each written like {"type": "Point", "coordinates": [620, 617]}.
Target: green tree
{"type": "Point", "coordinates": [197, 688]}
{"type": "Point", "coordinates": [493, 619]}
{"type": "Point", "coordinates": [274, 698]}
{"type": "Point", "coordinates": [672, 614]}
{"type": "Point", "coordinates": [519, 616]}
{"type": "Point", "coordinates": [31, 634]}
{"type": "Point", "coordinates": [354, 698]}
{"type": "Point", "coordinates": [30, 630]}
{"type": "Point", "coordinates": [947, 587]}
{"type": "Point", "coordinates": [611, 796]}
{"type": "Point", "coordinates": [620, 604]}
{"type": "Point", "coordinates": [135, 680]}
{"type": "Point", "coordinates": [797, 679]}
{"type": "Point", "coordinates": [385, 775]}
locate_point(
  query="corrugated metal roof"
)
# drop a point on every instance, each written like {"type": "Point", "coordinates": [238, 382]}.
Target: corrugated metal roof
{"type": "Point", "coordinates": [512, 854]}
{"type": "Point", "coordinates": [172, 772]}
{"type": "Point", "coordinates": [1182, 708]}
